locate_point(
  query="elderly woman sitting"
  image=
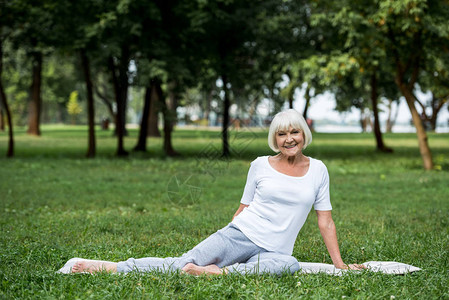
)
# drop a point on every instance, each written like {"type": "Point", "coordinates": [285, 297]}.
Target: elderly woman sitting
{"type": "Point", "coordinates": [279, 193]}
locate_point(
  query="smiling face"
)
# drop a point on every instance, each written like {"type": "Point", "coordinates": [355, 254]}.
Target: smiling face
{"type": "Point", "coordinates": [282, 124]}
{"type": "Point", "coordinates": [290, 142]}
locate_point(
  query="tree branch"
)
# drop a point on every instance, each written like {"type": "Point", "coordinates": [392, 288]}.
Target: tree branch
{"type": "Point", "coordinates": [442, 101]}
{"type": "Point", "coordinates": [420, 104]}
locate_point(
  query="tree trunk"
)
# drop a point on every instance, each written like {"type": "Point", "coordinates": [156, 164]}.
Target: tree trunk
{"type": "Point", "coordinates": [377, 132]}
{"type": "Point", "coordinates": [169, 113]}
{"type": "Point", "coordinates": [119, 93]}
{"type": "Point", "coordinates": [108, 104]}
{"type": "Point", "coordinates": [124, 84]}
{"type": "Point", "coordinates": [35, 104]}
{"type": "Point", "coordinates": [363, 123]}
{"type": "Point", "coordinates": [5, 107]}
{"type": "Point", "coordinates": [390, 119]}
{"type": "Point", "coordinates": [433, 121]}
{"type": "Point", "coordinates": [208, 99]}
{"type": "Point", "coordinates": [4, 102]}
{"type": "Point", "coordinates": [291, 92]}
{"type": "Point", "coordinates": [226, 105]}
{"type": "Point", "coordinates": [369, 122]}
{"type": "Point", "coordinates": [306, 106]}
{"type": "Point", "coordinates": [91, 147]}
{"type": "Point", "coordinates": [142, 140]}
{"type": "Point", "coordinates": [389, 125]}
{"type": "Point", "coordinates": [406, 86]}
{"type": "Point", "coordinates": [153, 119]}
{"type": "Point", "coordinates": [396, 114]}
{"type": "Point", "coordinates": [437, 105]}
{"type": "Point", "coordinates": [423, 143]}
{"type": "Point", "coordinates": [290, 98]}
{"type": "Point", "coordinates": [252, 110]}
{"type": "Point", "coordinates": [2, 120]}
{"type": "Point", "coordinates": [365, 119]}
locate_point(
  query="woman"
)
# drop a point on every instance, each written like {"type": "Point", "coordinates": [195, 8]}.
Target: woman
{"type": "Point", "coordinates": [280, 191]}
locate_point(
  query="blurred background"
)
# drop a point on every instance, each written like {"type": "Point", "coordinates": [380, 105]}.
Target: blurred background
{"type": "Point", "coordinates": [348, 66]}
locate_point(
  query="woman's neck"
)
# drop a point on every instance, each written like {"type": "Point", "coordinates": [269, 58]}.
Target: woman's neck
{"type": "Point", "coordinates": [291, 160]}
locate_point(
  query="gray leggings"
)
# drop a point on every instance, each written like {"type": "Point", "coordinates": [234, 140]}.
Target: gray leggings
{"type": "Point", "coordinates": [228, 247]}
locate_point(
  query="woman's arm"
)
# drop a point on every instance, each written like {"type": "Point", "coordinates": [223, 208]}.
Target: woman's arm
{"type": "Point", "coordinates": [329, 233]}
{"type": "Point", "coordinates": [239, 210]}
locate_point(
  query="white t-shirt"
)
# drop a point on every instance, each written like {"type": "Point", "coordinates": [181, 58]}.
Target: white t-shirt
{"type": "Point", "coordinates": [279, 203]}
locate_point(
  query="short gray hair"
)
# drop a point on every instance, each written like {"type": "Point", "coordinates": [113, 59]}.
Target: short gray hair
{"type": "Point", "coordinates": [282, 121]}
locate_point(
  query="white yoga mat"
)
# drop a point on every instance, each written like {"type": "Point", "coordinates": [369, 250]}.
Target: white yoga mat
{"type": "Point", "coordinates": [386, 267]}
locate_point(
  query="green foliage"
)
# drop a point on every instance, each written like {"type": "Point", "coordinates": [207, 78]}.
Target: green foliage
{"type": "Point", "coordinates": [73, 107]}
{"type": "Point", "coordinates": [16, 82]}
{"type": "Point", "coordinates": [385, 208]}
{"type": "Point", "coordinates": [323, 45]}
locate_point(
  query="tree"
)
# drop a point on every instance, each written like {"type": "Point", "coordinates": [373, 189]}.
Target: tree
{"type": "Point", "coordinates": [169, 117]}
{"type": "Point", "coordinates": [391, 117]}
{"type": "Point", "coordinates": [227, 33]}
{"type": "Point", "coordinates": [142, 137]}
{"type": "Point", "coordinates": [149, 70]}
{"type": "Point", "coordinates": [6, 28]}
{"type": "Point", "coordinates": [91, 149]}
{"type": "Point", "coordinates": [374, 103]}
{"type": "Point", "coordinates": [390, 95]}
{"type": "Point", "coordinates": [4, 103]}
{"type": "Point", "coordinates": [121, 24]}
{"type": "Point", "coordinates": [286, 40]}
{"type": "Point", "coordinates": [435, 80]}
{"type": "Point", "coordinates": [408, 35]}
{"type": "Point", "coordinates": [81, 16]}
{"type": "Point", "coordinates": [103, 93]}
{"type": "Point", "coordinates": [35, 104]}
{"type": "Point", "coordinates": [2, 120]}
{"type": "Point", "coordinates": [307, 72]}
{"type": "Point", "coordinates": [34, 21]}
{"type": "Point", "coordinates": [120, 84]}
{"type": "Point", "coordinates": [73, 107]}
{"type": "Point", "coordinates": [354, 52]}
{"type": "Point", "coordinates": [416, 34]}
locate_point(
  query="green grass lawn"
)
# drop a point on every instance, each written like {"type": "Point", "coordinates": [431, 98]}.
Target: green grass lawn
{"type": "Point", "coordinates": [55, 204]}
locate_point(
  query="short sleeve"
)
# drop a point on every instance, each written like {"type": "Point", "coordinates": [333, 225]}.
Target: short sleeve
{"type": "Point", "coordinates": [251, 184]}
{"type": "Point", "coordinates": [322, 199]}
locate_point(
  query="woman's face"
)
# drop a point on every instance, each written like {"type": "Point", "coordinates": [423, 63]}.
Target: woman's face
{"type": "Point", "coordinates": [290, 142]}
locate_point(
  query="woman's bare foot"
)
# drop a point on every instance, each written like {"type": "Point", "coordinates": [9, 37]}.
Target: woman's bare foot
{"type": "Point", "coordinates": [94, 266]}
{"type": "Point", "coordinates": [193, 269]}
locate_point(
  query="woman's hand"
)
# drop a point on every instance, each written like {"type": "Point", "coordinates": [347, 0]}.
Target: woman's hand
{"type": "Point", "coordinates": [351, 267]}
